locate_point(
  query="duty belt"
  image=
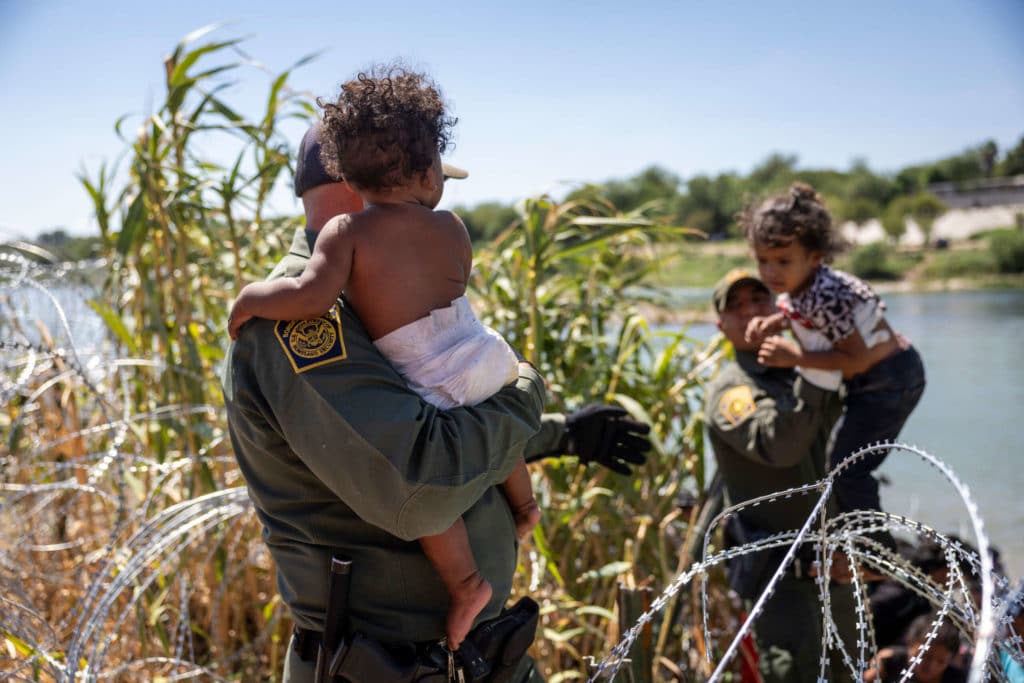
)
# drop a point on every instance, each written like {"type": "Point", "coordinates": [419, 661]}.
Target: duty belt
{"type": "Point", "coordinates": [489, 654]}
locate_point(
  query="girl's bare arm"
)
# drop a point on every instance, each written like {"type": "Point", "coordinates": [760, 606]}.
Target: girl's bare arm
{"type": "Point", "coordinates": [850, 354]}
{"type": "Point", "coordinates": [309, 295]}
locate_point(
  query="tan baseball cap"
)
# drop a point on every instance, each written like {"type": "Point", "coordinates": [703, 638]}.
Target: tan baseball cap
{"type": "Point", "coordinates": [736, 276]}
{"type": "Point", "coordinates": [453, 172]}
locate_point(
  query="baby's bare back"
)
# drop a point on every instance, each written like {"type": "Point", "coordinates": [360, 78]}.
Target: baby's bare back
{"type": "Point", "coordinates": [408, 260]}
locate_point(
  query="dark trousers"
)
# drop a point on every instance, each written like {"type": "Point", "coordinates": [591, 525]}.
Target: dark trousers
{"type": "Point", "coordinates": [788, 632]}
{"type": "Point", "coordinates": [298, 671]}
{"type": "Point", "coordinates": [878, 403]}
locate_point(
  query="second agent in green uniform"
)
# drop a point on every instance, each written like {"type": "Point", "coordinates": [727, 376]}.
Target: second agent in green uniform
{"type": "Point", "coordinates": [769, 430]}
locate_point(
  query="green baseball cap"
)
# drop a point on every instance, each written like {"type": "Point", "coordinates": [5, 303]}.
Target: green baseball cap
{"type": "Point", "coordinates": [736, 276]}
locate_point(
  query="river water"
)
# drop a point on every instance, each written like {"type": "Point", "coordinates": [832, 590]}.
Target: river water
{"type": "Point", "coordinates": [971, 416]}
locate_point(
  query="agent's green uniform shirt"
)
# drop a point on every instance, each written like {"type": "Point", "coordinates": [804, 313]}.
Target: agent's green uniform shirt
{"type": "Point", "coordinates": [341, 457]}
{"type": "Point", "coordinates": [769, 430]}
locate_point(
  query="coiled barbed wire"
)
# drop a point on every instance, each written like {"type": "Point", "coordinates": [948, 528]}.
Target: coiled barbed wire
{"type": "Point", "coordinates": [849, 534]}
{"type": "Point", "coordinates": [65, 475]}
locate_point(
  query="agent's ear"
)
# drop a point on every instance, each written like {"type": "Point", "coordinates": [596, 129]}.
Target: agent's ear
{"type": "Point", "coordinates": [427, 181]}
{"type": "Point", "coordinates": [719, 326]}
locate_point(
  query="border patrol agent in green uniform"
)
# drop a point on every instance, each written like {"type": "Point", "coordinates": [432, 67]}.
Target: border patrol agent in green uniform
{"type": "Point", "coordinates": [769, 430]}
{"type": "Point", "coordinates": [341, 458]}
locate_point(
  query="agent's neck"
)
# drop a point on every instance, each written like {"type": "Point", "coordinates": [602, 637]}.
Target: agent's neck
{"type": "Point", "coordinates": [403, 194]}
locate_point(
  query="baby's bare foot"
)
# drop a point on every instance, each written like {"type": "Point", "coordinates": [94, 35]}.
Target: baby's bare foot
{"type": "Point", "coordinates": [464, 605]}
{"type": "Point", "coordinates": [527, 516]}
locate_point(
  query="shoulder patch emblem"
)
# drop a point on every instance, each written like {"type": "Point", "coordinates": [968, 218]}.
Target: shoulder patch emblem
{"type": "Point", "coordinates": [309, 344]}
{"type": "Point", "coordinates": [736, 404]}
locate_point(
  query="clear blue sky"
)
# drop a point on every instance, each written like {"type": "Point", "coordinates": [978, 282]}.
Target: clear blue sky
{"type": "Point", "coordinates": [547, 93]}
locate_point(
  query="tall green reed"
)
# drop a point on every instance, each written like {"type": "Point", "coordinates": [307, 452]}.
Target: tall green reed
{"type": "Point", "coordinates": [566, 284]}
{"type": "Point", "coordinates": [93, 460]}
{"type": "Point", "coordinates": [182, 231]}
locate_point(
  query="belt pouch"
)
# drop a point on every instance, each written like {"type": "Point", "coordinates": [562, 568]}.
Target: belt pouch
{"type": "Point", "coordinates": [362, 659]}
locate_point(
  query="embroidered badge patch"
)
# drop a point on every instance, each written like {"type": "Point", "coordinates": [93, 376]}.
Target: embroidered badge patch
{"type": "Point", "coordinates": [309, 344]}
{"type": "Point", "coordinates": [736, 404]}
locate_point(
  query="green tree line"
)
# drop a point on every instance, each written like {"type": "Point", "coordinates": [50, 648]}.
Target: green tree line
{"type": "Point", "coordinates": [709, 202]}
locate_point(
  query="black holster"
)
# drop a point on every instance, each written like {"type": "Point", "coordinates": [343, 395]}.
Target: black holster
{"type": "Point", "coordinates": [490, 654]}
{"type": "Point", "coordinates": [502, 642]}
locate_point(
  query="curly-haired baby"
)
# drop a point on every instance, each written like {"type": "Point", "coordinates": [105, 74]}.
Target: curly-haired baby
{"type": "Point", "coordinates": [403, 267]}
{"type": "Point", "coordinates": [839, 321]}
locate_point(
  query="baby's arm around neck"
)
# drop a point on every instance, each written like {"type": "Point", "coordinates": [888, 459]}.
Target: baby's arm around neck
{"type": "Point", "coordinates": [312, 293]}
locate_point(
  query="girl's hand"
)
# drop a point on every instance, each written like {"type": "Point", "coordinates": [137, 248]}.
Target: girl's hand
{"type": "Point", "coordinates": [761, 326]}
{"type": "Point", "coordinates": [755, 329]}
{"type": "Point", "coordinates": [779, 352]}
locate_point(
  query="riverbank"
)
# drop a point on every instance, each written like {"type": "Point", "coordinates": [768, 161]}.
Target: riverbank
{"type": "Point", "coordinates": [688, 272]}
{"type": "Point", "coordinates": [690, 305]}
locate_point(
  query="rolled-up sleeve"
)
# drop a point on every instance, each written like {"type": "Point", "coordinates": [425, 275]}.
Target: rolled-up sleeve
{"type": "Point", "coordinates": [548, 440]}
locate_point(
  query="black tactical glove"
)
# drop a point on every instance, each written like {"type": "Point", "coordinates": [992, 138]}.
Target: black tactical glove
{"type": "Point", "coordinates": [606, 435]}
